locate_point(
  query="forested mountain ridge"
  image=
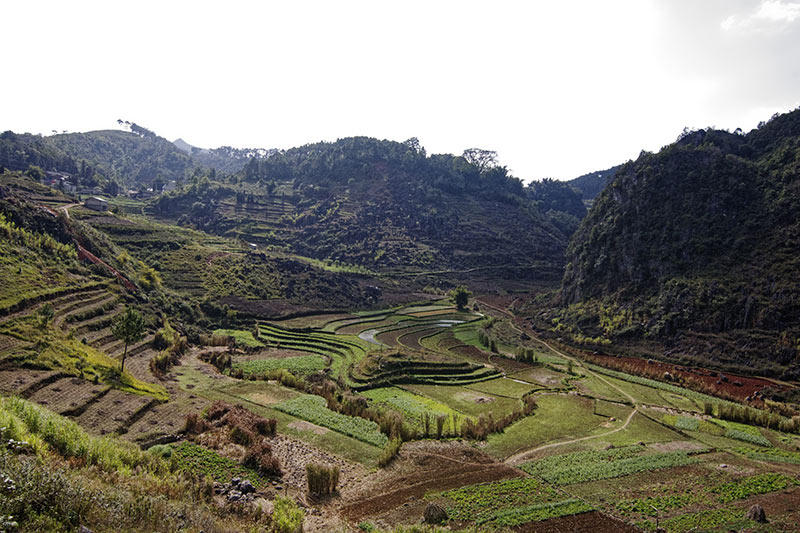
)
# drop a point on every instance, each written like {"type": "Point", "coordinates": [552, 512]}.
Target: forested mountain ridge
{"type": "Point", "coordinates": [384, 205]}
{"type": "Point", "coordinates": [695, 247]}
{"type": "Point", "coordinates": [133, 158]}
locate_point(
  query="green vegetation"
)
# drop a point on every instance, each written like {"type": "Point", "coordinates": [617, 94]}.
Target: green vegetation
{"type": "Point", "coordinates": [21, 420]}
{"type": "Point", "coordinates": [300, 365]}
{"type": "Point", "coordinates": [713, 519]}
{"type": "Point", "coordinates": [55, 477]}
{"type": "Point", "coordinates": [539, 512]}
{"type": "Point", "coordinates": [460, 296]}
{"type": "Point", "coordinates": [580, 467]}
{"type": "Point", "coordinates": [510, 503]}
{"type": "Point", "coordinates": [774, 455]}
{"type": "Point", "coordinates": [204, 462]}
{"type": "Point", "coordinates": [654, 505]}
{"type": "Point", "coordinates": [557, 417]}
{"type": "Point", "coordinates": [128, 327]}
{"type": "Point", "coordinates": [413, 406]}
{"type": "Point", "coordinates": [313, 409]}
{"type": "Point", "coordinates": [53, 349]}
{"type": "Point", "coordinates": [760, 484]}
{"type": "Point", "coordinates": [242, 338]}
{"type": "Point", "coordinates": [681, 271]}
{"type": "Point", "coordinates": [287, 517]}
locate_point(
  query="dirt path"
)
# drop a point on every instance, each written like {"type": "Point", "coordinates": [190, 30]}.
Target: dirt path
{"type": "Point", "coordinates": [65, 209]}
{"type": "Point", "coordinates": [521, 456]}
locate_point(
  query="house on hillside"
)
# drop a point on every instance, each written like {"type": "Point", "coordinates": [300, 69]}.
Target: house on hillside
{"type": "Point", "coordinates": [96, 203]}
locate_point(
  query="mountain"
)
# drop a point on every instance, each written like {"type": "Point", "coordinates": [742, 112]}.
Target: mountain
{"type": "Point", "coordinates": [693, 252]}
{"type": "Point", "coordinates": [133, 158]}
{"type": "Point", "coordinates": [183, 145]}
{"type": "Point", "coordinates": [380, 205]}
{"type": "Point", "coordinates": [590, 185]}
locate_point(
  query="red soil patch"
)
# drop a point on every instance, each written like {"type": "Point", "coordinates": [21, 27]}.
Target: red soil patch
{"type": "Point", "coordinates": [720, 384]}
{"type": "Point", "coordinates": [593, 522]}
{"type": "Point", "coordinates": [412, 339]}
{"type": "Point", "coordinates": [390, 338]}
{"type": "Point", "coordinates": [447, 341]}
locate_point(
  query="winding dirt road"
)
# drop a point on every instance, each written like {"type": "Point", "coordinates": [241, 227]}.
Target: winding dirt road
{"type": "Point", "coordinates": [523, 455]}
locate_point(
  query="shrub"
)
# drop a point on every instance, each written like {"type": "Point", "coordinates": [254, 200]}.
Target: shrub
{"type": "Point", "coordinates": [242, 436]}
{"type": "Point", "coordinates": [390, 451]}
{"type": "Point", "coordinates": [287, 517]}
{"type": "Point", "coordinates": [322, 479]}
{"type": "Point", "coordinates": [194, 424]}
{"type": "Point", "coordinates": [259, 457]}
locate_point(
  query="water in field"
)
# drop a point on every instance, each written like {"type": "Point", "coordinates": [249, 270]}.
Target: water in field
{"type": "Point", "coordinates": [446, 323]}
{"type": "Point", "coordinates": [369, 336]}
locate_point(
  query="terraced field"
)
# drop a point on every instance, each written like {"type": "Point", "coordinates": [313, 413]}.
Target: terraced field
{"type": "Point", "coordinates": [598, 442]}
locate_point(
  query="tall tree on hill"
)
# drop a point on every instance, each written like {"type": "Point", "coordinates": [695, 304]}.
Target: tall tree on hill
{"type": "Point", "coordinates": [460, 296]}
{"type": "Point", "coordinates": [128, 326]}
{"type": "Point", "coordinates": [483, 159]}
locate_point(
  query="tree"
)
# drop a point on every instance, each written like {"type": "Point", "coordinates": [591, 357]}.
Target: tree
{"type": "Point", "coordinates": [460, 296]}
{"type": "Point", "coordinates": [44, 316]}
{"type": "Point", "coordinates": [483, 159]}
{"type": "Point", "coordinates": [158, 185]}
{"type": "Point", "coordinates": [128, 326]}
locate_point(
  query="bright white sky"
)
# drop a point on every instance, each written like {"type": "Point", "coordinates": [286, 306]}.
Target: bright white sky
{"type": "Point", "coordinates": [558, 88]}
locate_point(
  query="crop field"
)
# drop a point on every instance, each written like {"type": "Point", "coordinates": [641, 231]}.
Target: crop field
{"type": "Point", "coordinates": [580, 467]}
{"type": "Point", "coordinates": [199, 460]}
{"type": "Point", "coordinates": [585, 438]}
{"type": "Point", "coordinates": [509, 503]}
{"type": "Point", "coordinates": [505, 387]}
{"type": "Point", "coordinates": [413, 406]}
{"type": "Point", "coordinates": [343, 350]}
{"type": "Point", "coordinates": [67, 394]}
{"type": "Point", "coordinates": [464, 400]}
{"type": "Point", "coordinates": [300, 365]}
{"type": "Point", "coordinates": [313, 409]}
{"type": "Point", "coordinates": [558, 417]}
{"type": "Point", "coordinates": [242, 338]}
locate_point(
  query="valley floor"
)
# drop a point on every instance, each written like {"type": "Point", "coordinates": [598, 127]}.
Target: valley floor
{"type": "Point", "coordinates": [602, 451]}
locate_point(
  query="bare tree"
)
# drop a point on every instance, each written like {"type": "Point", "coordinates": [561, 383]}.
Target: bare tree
{"type": "Point", "coordinates": [483, 159]}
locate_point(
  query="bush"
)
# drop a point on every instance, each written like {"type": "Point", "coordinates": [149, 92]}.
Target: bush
{"type": "Point", "coordinates": [242, 436]}
{"type": "Point", "coordinates": [322, 479]}
{"type": "Point", "coordinates": [194, 425]}
{"type": "Point", "coordinates": [287, 517]}
{"type": "Point", "coordinates": [259, 457]}
{"type": "Point", "coordinates": [390, 451]}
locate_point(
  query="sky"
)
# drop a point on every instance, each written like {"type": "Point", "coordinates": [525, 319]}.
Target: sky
{"type": "Point", "coordinates": [558, 88]}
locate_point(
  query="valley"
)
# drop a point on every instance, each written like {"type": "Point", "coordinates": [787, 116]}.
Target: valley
{"type": "Point", "coordinates": [356, 336]}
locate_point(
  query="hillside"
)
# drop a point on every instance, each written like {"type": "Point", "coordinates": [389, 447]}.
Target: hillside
{"type": "Point", "coordinates": [590, 185]}
{"type": "Point", "coordinates": [379, 205]}
{"type": "Point", "coordinates": [695, 249]}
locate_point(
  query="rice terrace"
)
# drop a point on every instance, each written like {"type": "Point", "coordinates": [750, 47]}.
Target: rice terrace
{"type": "Point", "coordinates": [366, 335]}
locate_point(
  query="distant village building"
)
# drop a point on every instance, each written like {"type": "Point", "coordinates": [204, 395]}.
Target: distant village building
{"type": "Point", "coordinates": [170, 186]}
{"type": "Point", "coordinates": [96, 203]}
{"type": "Point", "coordinates": [91, 192]}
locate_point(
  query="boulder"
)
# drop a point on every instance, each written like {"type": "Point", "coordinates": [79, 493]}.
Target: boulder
{"type": "Point", "coordinates": [434, 514]}
{"type": "Point", "coordinates": [757, 514]}
{"type": "Point", "coordinates": [245, 487]}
